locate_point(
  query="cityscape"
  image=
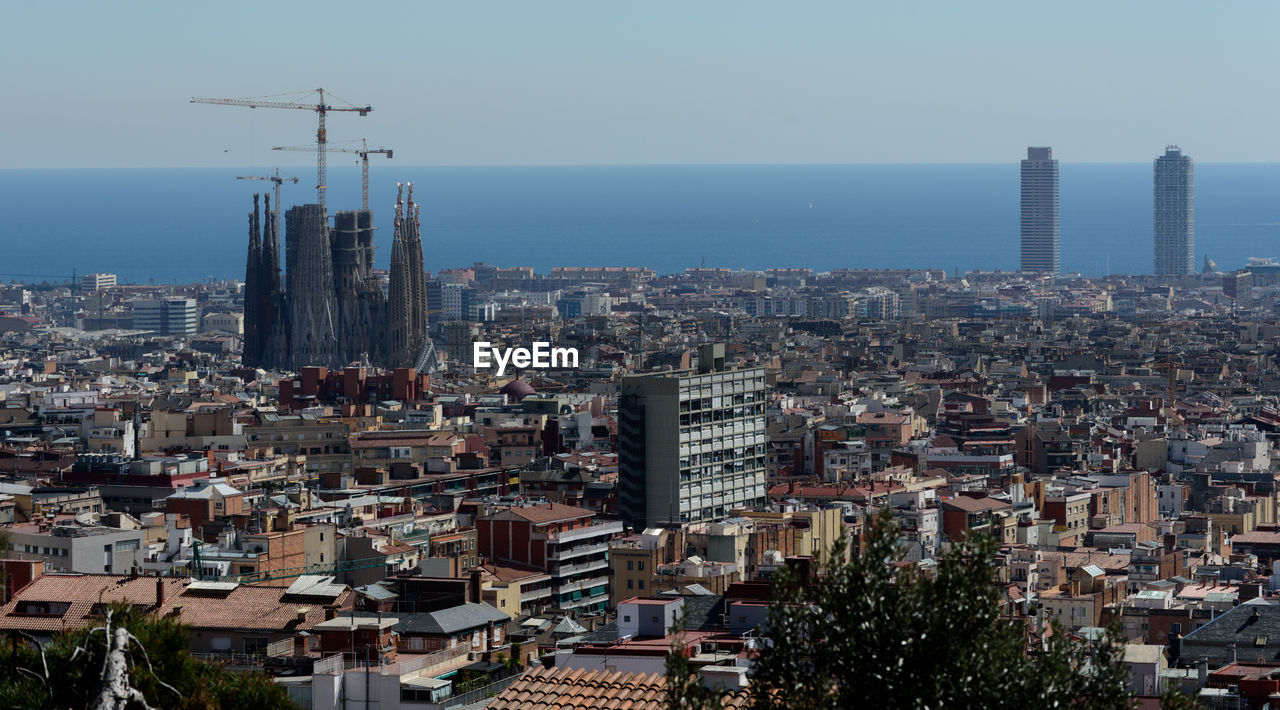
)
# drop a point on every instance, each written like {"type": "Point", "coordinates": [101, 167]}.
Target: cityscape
{"type": "Point", "coordinates": [354, 474]}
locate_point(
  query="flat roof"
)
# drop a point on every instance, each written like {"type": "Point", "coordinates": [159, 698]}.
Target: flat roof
{"type": "Point", "coordinates": [348, 623]}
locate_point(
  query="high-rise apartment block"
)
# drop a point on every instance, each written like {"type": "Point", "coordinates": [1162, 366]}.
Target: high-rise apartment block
{"type": "Point", "coordinates": [96, 282]}
{"type": "Point", "coordinates": [1174, 224]}
{"type": "Point", "coordinates": [691, 443]}
{"type": "Point", "coordinates": [1040, 229]}
{"type": "Point", "coordinates": [166, 316]}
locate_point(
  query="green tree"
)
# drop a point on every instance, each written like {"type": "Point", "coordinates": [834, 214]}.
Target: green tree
{"type": "Point", "coordinates": [865, 632]}
{"type": "Point", "coordinates": [684, 688]}
{"type": "Point", "coordinates": [72, 670]}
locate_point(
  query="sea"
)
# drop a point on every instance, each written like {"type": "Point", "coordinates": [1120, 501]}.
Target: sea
{"type": "Point", "coordinates": [186, 225]}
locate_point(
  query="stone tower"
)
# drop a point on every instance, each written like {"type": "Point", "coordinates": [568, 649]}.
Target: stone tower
{"type": "Point", "coordinates": [333, 311]}
{"type": "Point", "coordinates": [407, 294]}
{"type": "Point", "coordinates": [313, 312]}
{"type": "Point", "coordinates": [252, 354]}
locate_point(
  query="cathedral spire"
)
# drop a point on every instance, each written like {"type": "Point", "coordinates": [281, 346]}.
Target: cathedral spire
{"type": "Point", "coordinates": [251, 344]}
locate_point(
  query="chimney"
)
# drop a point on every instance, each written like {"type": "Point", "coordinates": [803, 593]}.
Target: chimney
{"type": "Point", "coordinates": [474, 590]}
{"type": "Point", "coordinates": [330, 611]}
{"type": "Point", "coordinates": [302, 613]}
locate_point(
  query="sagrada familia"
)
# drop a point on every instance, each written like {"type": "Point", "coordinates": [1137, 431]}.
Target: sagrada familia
{"type": "Point", "coordinates": [330, 309]}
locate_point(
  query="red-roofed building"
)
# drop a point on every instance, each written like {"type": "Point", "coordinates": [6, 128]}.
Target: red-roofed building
{"type": "Point", "coordinates": [566, 542]}
{"type": "Point", "coordinates": [963, 516]}
{"type": "Point", "coordinates": [219, 616]}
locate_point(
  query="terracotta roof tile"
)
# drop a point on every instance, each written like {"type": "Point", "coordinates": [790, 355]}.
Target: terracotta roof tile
{"type": "Point", "coordinates": [245, 607]}
{"type": "Point", "coordinates": [548, 513]}
{"type": "Point", "coordinates": [573, 688]}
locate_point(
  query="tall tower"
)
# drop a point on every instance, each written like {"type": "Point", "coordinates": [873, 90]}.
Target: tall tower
{"type": "Point", "coordinates": [254, 290]}
{"type": "Point", "coordinates": [312, 303]}
{"type": "Point", "coordinates": [1174, 224]}
{"type": "Point", "coordinates": [407, 292]}
{"type": "Point", "coordinates": [1040, 230]}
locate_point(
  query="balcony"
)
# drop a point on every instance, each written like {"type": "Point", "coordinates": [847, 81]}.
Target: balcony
{"type": "Point", "coordinates": [585, 601]}
{"type": "Point", "coordinates": [566, 570]}
{"type": "Point", "coordinates": [535, 594]}
{"type": "Point", "coordinates": [612, 527]}
{"type": "Point", "coordinates": [582, 584]}
{"type": "Point", "coordinates": [579, 551]}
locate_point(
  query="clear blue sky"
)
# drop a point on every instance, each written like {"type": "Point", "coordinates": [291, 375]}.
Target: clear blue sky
{"type": "Point", "coordinates": [107, 84]}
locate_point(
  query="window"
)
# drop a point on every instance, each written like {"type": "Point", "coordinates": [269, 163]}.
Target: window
{"type": "Point", "coordinates": [1177, 628]}
{"type": "Point", "coordinates": [642, 584]}
{"type": "Point", "coordinates": [631, 584]}
{"type": "Point", "coordinates": [38, 608]}
{"type": "Point", "coordinates": [626, 619]}
{"type": "Point", "coordinates": [641, 565]}
{"type": "Point", "coordinates": [630, 565]}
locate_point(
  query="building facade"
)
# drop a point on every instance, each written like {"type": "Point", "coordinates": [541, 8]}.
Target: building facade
{"type": "Point", "coordinates": [97, 282]}
{"type": "Point", "coordinates": [567, 543]}
{"type": "Point", "coordinates": [331, 310]}
{"type": "Point", "coordinates": [166, 316]}
{"type": "Point", "coordinates": [1174, 223]}
{"type": "Point", "coordinates": [1040, 228]}
{"type": "Point", "coordinates": [691, 444]}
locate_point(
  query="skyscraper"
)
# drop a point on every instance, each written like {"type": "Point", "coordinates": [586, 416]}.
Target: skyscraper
{"type": "Point", "coordinates": [1040, 212]}
{"type": "Point", "coordinates": [691, 443]}
{"type": "Point", "coordinates": [1174, 224]}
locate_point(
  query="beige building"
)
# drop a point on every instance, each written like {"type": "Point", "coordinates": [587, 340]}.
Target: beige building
{"type": "Point", "coordinates": [818, 528]}
{"type": "Point", "coordinates": [381, 449]}
{"type": "Point", "coordinates": [199, 427]}
{"type": "Point", "coordinates": [223, 322]}
{"type": "Point", "coordinates": [515, 590]}
{"type": "Point", "coordinates": [323, 442]}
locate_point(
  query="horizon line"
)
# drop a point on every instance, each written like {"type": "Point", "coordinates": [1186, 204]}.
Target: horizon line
{"type": "Point", "coordinates": [628, 165]}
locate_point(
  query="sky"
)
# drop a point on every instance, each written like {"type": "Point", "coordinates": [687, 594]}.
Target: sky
{"type": "Point", "coordinates": [93, 85]}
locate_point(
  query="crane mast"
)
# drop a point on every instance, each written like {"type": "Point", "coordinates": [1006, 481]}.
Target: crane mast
{"type": "Point", "coordinates": [275, 179]}
{"type": "Point", "coordinates": [321, 108]}
{"type": "Point", "coordinates": [364, 152]}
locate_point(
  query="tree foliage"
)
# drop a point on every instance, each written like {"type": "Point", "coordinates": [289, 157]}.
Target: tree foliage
{"type": "Point", "coordinates": [684, 688]}
{"type": "Point", "coordinates": [68, 672]}
{"type": "Point", "coordinates": [869, 633]}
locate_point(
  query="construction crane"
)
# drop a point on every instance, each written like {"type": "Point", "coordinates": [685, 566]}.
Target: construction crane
{"type": "Point", "coordinates": [363, 151]}
{"type": "Point", "coordinates": [275, 179]}
{"type": "Point", "coordinates": [320, 107]}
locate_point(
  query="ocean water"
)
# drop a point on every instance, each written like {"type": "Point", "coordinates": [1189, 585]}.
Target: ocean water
{"type": "Point", "coordinates": [167, 225]}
